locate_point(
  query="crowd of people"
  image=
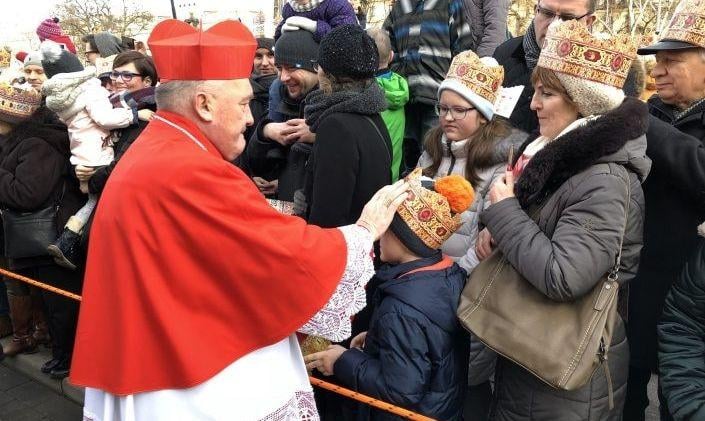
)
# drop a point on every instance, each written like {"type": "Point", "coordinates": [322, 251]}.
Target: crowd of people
{"type": "Point", "coordinates": [341, 191]}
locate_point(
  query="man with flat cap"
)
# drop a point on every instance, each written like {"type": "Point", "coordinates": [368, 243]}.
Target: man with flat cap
{"type": "Point", "coordinates": [674, 191]}
{"type": "Point", "coordinates": [194, 285]}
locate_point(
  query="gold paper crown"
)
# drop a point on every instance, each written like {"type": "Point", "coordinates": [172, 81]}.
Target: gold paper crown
{"type": "Point", "coordinates": [427, 213]}
{"type": "Point", "coordinates": [475, 75]}
{"type": "Point", "coordinates": [569, 48]}
{"type": "Point", "coordinates": [4, 58]}
{"type": "Point", "coordinates": [17, 104]}
{"type": "Point", "coordinates": [688, 23]}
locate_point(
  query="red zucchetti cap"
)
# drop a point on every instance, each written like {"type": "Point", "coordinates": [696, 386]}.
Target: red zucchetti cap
{"type": "Point", "coordinates": [181, 52]}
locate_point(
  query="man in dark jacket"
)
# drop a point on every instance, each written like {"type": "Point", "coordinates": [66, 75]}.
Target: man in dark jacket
{"type": "Point", "coordinates": [519, 55]}
{"type": "Point", "coordinates": [263, 74]}
{"type": "Point", "coordinates": [675, 199]}
{"type": "Point", "coordinates": [681, 334]}
{"type": "Point", "coordinates": [281, 143]}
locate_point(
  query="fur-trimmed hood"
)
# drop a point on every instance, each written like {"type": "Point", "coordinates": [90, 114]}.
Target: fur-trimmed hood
{"type": "Point", "coordinates": [64, 91]}
{"type": "Point", "coordinates": [701, 229]}
{"type": "Point", "coordinates": [617, 136]}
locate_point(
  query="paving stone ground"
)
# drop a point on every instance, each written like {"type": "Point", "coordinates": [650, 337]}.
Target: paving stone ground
{"type": "Point", "coordinates": [24, 399]}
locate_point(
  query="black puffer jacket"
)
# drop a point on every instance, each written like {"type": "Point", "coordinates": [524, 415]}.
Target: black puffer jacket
{"type": "Point", "coordinates": [416, 352]}
{"type": "Point", "coordinates": [35, 170]}
{"type": "Point", "coordinates": [681, 334]}
{"type": "Point", "coordinates": [675, 205]}
{"type": "Point", "coordinates": [510, 54]}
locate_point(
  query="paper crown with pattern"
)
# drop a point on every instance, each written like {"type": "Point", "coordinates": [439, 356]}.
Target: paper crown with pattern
{"type": "Point", "coordinates": [17, 104]}
{"type": "Point", "coordinates": [433, 215]}
{"type": "Point", "coordinates": [181, 52]}
{"type": "Point", "coordinates": [4, 58]}
{"type": "Point", "coordinates": [571, 49]}
{"type": "Point", "coordinates": [687, 23]}
{"type": "Point", "coordinates": [485, 80]}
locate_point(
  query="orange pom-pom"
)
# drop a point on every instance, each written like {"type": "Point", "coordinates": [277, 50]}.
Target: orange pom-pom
{"type": "Point", "coordinates": [457, 190]}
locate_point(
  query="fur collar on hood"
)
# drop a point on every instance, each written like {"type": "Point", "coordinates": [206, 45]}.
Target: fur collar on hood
{"type": "Point", "coordinates": [604, 139]}
{"type": "Point", "coordinates": [701, 229]}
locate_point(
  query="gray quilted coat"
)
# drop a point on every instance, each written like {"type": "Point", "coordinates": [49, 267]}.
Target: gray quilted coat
{"type": "Point", "coordinates": [581, 179]}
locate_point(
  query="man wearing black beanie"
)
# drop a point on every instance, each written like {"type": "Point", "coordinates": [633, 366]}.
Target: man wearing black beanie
{"type": "Point", "coordinates": [281, 143]}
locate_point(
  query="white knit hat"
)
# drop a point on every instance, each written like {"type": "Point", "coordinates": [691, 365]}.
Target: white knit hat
{"type": "Point", "coordinates": [478, 80]}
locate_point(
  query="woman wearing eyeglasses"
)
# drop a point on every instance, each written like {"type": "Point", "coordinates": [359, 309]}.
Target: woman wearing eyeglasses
{"type": "Point", "coordinates": [75, 95]}
{"type": "Point", "coordinates": [134, 78]}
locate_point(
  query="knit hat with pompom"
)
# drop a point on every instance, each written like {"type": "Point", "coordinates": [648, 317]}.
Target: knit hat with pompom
{"type": "Point", "coordinates": [431, 212]}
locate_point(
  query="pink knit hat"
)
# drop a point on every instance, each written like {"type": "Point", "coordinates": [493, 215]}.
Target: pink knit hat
{"type": "Point", "coordinates": [49, 29]}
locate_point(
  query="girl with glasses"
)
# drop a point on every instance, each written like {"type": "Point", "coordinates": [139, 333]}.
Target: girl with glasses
{"type": "Point", "coordinates": [469, 140]}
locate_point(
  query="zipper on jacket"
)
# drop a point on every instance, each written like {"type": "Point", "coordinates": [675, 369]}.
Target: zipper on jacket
{"type": "Point", "coordinates": [452, 157]}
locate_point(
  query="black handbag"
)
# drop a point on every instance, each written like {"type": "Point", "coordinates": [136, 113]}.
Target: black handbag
{"type": "Point", "coordinates": [28, 234]}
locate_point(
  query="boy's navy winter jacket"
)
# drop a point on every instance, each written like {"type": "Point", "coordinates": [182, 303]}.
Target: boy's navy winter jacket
{"type": "Point", "coordinates": [416, 353]}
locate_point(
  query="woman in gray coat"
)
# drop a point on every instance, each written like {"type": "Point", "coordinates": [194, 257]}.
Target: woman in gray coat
{"type": "Point", "coordinates": [584, 171]}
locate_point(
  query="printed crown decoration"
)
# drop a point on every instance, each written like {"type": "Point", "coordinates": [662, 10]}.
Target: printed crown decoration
{"type": "Point", "coordinates": [569, 48]}
{"type": "Point", "coordinates": [688, 23]}
{"type": "Point", "coordinates": [483, 79]}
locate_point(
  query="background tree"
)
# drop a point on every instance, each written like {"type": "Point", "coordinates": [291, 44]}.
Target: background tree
{"type": "Point", "coordinates": [83, 17]}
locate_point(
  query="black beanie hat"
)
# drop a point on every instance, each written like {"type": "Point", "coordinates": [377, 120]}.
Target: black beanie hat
{"type": "Point", "coordinates": [267, 43]}
{"type": "Point", "coordinates": [297, 49]}
{"type": "Point", "coordinates": [409, 238]}
{"type": "Point", "coordinates": [347, 51]}
{"type": "Point", "coordinates": [57, 60]}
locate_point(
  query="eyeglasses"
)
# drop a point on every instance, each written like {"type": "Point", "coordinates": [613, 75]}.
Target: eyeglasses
{"type": "Point", "coordinates": [550, 14]}
{"type": "Point", "coordinates": [125, 75]}
{"type": "Point", "coordinates": [457, 113]}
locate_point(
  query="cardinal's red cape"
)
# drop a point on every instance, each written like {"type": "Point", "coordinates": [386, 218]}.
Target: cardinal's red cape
{"type": "Point", "coordinates": [189, 268]}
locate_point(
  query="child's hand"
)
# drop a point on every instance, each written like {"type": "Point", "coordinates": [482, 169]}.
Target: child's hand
{"type": "Point", "coordinates": [145, 114]}
{"type": "Point", "coordinates": [325, 360]}
{"type": "Point", "coordinates": [84, 173]}
{"type": "Point", "coordinates": [359, 340]}
{"type": "Point", "coordinates": [299, 22]}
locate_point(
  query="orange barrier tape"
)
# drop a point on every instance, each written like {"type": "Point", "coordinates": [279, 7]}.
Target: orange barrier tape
{"type": "Point", "coordinates": [39, 284]}
{"type": "Point", "coordinates": [314, 381]}
{"type": "Point", "coordinates": [369, 400]}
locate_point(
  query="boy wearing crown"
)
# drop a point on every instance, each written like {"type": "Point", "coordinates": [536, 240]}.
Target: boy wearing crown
{"type": "Point", "coordinates": [415, 354]}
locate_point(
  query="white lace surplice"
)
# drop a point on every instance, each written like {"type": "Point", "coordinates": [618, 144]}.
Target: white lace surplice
{"type": "Point", "coordinates": [270, 384]}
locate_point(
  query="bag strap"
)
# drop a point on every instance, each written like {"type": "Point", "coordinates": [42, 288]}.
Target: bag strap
{"type": "Point", "coordinates": [386, 147]}
{"type": "Point", "coordinates": [613, 276]}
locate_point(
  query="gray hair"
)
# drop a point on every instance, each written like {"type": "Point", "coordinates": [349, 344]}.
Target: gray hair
{"type": "Point", "coordinates": [173, 95]}
{"type": "Point", "coordinates": [384, 45]}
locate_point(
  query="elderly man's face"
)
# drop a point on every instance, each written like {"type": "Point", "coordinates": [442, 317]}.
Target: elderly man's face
{"type": "Point", "coordinates": [549, 10]}
{"type": "Point", "coordinates": [680, 76]}
{"type": "Point", "coordinates": [264, 62]}
{"type": "Point", "coordinates": [230, 101]}
{"type": "Point", "coordinates": [298, 82]}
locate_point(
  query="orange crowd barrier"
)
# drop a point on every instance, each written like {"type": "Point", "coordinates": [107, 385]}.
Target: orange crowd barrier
{"type": "Point", "coordinates": [376, 403]}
